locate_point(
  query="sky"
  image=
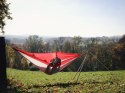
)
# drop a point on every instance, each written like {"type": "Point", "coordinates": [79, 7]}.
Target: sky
{"type": "Point", "coordinates": [86, 18]}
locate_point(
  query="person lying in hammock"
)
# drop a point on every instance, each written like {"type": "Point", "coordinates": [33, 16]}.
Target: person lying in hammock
{"type": "Point", "coordinates": [54, 65]}
{"type": "Point", "coordinates": [55, 62]}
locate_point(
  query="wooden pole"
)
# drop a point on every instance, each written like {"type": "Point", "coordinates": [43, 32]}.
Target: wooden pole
{"type": "Point", "coordinates": [3, 76]}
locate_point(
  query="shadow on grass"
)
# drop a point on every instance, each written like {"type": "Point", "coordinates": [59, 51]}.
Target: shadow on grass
{"type": "Point", "coordinates": [63, 85]}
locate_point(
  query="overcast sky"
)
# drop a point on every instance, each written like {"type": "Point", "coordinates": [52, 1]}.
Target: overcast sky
{"type": "Point", "coordinates": [67, 18]}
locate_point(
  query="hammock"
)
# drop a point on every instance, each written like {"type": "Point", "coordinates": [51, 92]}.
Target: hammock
{"type": "Point", "coordinates": [44, 60]}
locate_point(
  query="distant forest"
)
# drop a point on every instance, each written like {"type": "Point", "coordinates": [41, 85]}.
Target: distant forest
{"type": "Point", "coordinates": [103, 53]}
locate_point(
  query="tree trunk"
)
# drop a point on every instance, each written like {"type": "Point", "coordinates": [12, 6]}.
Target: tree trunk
{"type": "Point", "coordinates": [3, 76]}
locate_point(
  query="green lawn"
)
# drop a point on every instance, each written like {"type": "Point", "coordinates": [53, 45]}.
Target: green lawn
{"type": "Point", "coordinates": [62, 82]}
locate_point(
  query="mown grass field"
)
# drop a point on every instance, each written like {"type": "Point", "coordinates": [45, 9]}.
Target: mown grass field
{"type": "Point", "coordinates": [62, 82]}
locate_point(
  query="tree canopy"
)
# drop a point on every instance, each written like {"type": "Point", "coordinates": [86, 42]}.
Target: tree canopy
{"type": "Point", "coordinates": [4, 14]}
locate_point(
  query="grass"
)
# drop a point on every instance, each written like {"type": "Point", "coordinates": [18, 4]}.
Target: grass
{"type": "Point", "coordinates": [62, 82]}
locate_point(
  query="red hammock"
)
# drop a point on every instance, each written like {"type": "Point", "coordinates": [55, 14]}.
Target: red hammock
{"type": "Point", "coordinates": [43, 60]}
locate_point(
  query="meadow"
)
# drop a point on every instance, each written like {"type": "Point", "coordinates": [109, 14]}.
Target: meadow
{"type": "Point", "coordinates": [20, 81]}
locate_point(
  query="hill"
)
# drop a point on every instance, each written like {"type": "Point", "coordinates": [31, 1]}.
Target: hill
{"type": "Point", "coordinates": [18, 39]}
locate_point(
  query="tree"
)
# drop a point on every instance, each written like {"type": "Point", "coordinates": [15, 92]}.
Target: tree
{"type": "Point", "coordinates": [24, 64]}
{"type": "Point", "coordinates": [47, 47]}
{"type": "Point", "coordinates": [120, 53]}
{"type": "Point", "coordinates": [34, 43]}
{"type": "Point", "coordinates": [67, 47]}
{"type": "Point", "coordinates": [3, 77]}
{"type": "Point", "coordinates": [60, 43]}
{"type": "Point", "coordinates": [77, 40]}
{"type": "Point", "coordinates": [74, 47]}
{"type": "Point", "coordinates": [55, 45]}
{"type": "Point", "coordinates": [4, 14]}
{"type": "Point", "coordinates": [10, 56]}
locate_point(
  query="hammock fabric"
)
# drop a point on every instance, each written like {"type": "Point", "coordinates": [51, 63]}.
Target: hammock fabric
{"type": "Point", "coordinates": [43, 60]}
